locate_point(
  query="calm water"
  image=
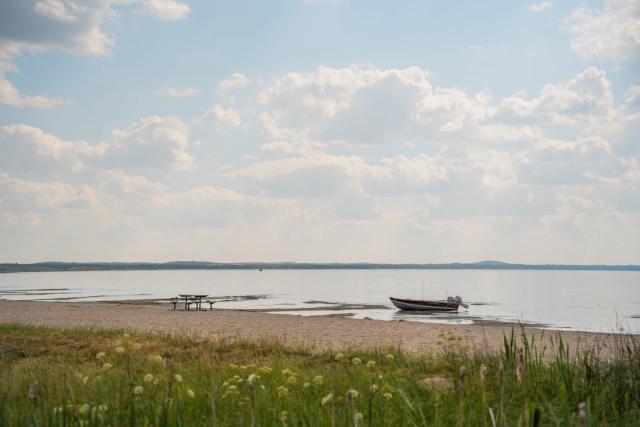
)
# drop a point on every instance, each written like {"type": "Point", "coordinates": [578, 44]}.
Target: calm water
{"type": "Point", "coordinates": [578, 300]}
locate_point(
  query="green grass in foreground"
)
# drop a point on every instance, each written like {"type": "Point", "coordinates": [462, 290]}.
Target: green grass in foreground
{"type": "Point", "coordinates": [55, 377]}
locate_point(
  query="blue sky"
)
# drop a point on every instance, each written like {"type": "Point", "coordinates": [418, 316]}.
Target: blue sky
{"type": "Point", "coordinates": [340, 130]}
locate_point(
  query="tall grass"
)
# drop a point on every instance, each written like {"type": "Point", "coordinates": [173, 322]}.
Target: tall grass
{"type": "Point", "coordinates": [56, 377]}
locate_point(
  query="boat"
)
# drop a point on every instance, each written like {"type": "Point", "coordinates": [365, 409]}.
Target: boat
{"type": "Point", "coordinates": [451, 304]}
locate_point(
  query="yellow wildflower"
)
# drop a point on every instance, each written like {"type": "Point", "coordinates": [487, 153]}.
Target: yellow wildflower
{"type": "Point", "coordinates": [148, 378]}
{"type": "Point", "coordinates": [318, 380]}
{"type": "Point", "coordinates": [178, 378]}
{"type": "Point", "coordinates": [190, 393]}
{"type": "Point", "coordinates": [356, 361]}
{"type": "Point", "coordinates": [339, 357]}
{"type": "Point", "coordinates": [328, 398]}
{"type": "Point", "coordinates": [371, 363]}
{"type": "Point", "coordinates": [138, 390]}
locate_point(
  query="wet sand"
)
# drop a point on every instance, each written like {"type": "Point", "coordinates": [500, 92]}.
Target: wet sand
{"type": "Point", "coordinates": [322, 332]}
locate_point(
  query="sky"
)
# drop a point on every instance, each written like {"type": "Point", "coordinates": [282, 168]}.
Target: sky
{"type": "Point", "coordinates": [320, 131]}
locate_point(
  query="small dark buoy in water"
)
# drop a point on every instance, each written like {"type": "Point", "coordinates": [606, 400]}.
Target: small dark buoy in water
{"type": "Point", "coordinates": [260, 269]}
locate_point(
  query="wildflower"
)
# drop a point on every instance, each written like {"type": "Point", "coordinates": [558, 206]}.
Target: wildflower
{"type": "Point", "coordinates": [250, 380]}
{"type": "Point", "coordinates": [358, 416]}
{"type": "Point", "coordinates": [137, 346]}
{"type": "Point", "coordinates": [100, 355]}
{"type": "Point", "coordinates": [138, 390]}
{"type": "Point", "coordinates": [103, 408]}
{"type": "Point", "coordinates": [265, 370]}
{"type": "Point", "coordinates": [283, 391]}
{"type": "Point", "coordinates": [292, 380]}
{"type": "Point", "coordinates": [356, 361]}
{"type": "Point", "coordinates": [148, 378]}
{"type": "Point", "coordinates": [125, 336]}
{"type": "Point", "coordinates": [328, 398]}
{"type": "Point", "coordinates": [351, 396]}
{"type": "Point", "coordinates": [97, 379]}
{"type": "Point", "coordinates": [178, 378]}
{"type": "Point", "coordinates": [233, 366]}
{"type": "Point", "coordinates": [283, 416]}
{"type": "Point", "coordinates": [371, 363]}
{"type": "Point", "coordinates": [119, 350]}
{"type": "Point", "coordinates": [306, 385]}
{"type": "Point", "coordinates": [107, 366]}
{"type": "Point", "coordinates": [318, 380]}
{"type": "Point", "coordinates": [155, 358]}
{"type": "Point", "coordinates": [388, 396]}
{"type": "Point", "coordinates": [339, 357]}
{"type": "Point", "coordinates": [225, 384]}
{"type": "Point", "coordinates": [85, 380]}
{"type": "Point", "coordinates": [84, 409]}
{"type": "Point", "coordinates": [389, 357]}
{"type": "Point", "coordinates": [262, 387]}
{"type": "Point", "coordinates": [57, 410]}
{"type": "Point", "coordinates": [287, 371]}
{"type": "Point", "coordinates": [243, 368]}
{"type": "Point", "coordinates": [232, 388]}
{"type": "Point", "coordinates": [190, 393]}
{"type": "Point", "coordinates": [373, 388]}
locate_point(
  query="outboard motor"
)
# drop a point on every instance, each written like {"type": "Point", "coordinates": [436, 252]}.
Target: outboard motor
{"type": "Point", "coordinates": [458, 300]}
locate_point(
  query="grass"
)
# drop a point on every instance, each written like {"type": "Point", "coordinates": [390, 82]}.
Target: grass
{"type": "Point", "coordinates": [60, 377]}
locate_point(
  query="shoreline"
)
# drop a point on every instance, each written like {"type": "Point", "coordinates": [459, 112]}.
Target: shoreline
{"type": "Point", "coordinates": [321, 332]}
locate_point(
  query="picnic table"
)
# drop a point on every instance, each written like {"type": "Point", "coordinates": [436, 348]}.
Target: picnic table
{"type": "Point", "coordinates": [191, 299]}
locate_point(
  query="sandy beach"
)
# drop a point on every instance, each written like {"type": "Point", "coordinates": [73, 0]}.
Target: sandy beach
{"type": "Point", "coordinates": [322, 332]}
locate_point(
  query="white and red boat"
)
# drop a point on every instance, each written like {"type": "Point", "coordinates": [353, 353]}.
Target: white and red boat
{"type": "Point", "coordinates": [451, 304]}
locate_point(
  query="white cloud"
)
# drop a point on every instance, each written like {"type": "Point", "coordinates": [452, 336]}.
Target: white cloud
{"type": "Point", "coordinates": [36, 26]}
{"type": "Point", "coordinates": [222, 118]}
{"type": "Point", "coordinates": [153, 142]}
{"type": "Point", "coordinates": [226, 87]}
{"type": "Point", "coordinates": [541, 6]}
{"type": "Point", "coordinates": [608, 34]}
{"type": "Point", "coordinates": [632, 95]}
{"type": "Point", "coordinates": [165, 9]}
{"type": "Point", "coordinates": [177, 93]}
{"type": "Point", "coordinates": [20, 195]}
{"type": "Point", "coordinates": [27, 148]}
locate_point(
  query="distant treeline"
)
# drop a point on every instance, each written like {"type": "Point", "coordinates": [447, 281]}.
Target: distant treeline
{"type": "Point", "coordinates": [202, 265]}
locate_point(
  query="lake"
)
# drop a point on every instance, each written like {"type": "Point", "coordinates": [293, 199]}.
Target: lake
{"type": "Point", "coordinates": [600, 301]}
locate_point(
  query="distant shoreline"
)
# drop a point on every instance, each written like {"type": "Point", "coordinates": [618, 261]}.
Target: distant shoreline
{"type": "Point", "coordinates": [202, 265]}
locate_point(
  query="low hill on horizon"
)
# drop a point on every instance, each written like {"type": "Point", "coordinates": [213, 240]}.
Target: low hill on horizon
{"type": "Point", "coordinates": [205, 265]}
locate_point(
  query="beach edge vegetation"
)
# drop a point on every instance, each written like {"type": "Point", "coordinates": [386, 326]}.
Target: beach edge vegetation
{"type": "Point", "coordinates": [100, 377]}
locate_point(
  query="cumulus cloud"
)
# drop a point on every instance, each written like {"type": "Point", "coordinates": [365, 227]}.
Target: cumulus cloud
{"type": "Point", "coordinates": [27, 148]}
{"type": "Point", "coordinates": [147, 144]}
{"type": "Point", "coordinates": [222, 118]}
{"type": "Point", "coordinates": [226, 87]}
{"type": "Point", "coordinates": [177, 93]}
{"type": "Point", "coordinates": [35, 26]}
{"type": "Point", "coordinates": [165, 9]}
{"type": "Point", "coordinates": [611, 33]}
{"type": "Point", "coordinates": [152, 142]}
{"type": "Point", "coordinates": [541, 6]}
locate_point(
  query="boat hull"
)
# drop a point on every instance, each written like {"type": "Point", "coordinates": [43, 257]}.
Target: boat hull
{"type": "Point", "coordinates": [419, 305]}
